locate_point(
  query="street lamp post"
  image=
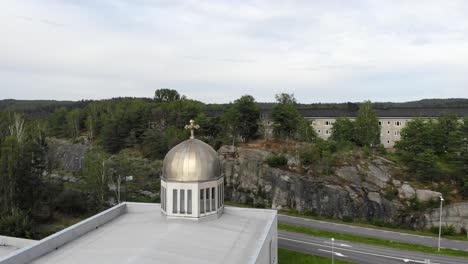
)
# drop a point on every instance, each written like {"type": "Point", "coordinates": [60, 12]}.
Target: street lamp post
{"type": "Point", "coordinates": [440, 221]}
{"type": "Point", "coordinates": [333, 249]}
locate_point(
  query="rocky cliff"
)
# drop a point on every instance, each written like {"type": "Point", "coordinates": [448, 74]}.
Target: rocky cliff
{"type": "Point", "coordinates": [364, 190]}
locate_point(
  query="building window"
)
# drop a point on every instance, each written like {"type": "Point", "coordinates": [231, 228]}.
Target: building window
{"type": "Point", "coordinates": [219, 196]}
{"type": "Point", "coordinates": [388, 141]}
{"type": "Point", "coordinates": [319, 131]}
{"type": "Point", "coordinates": [388, 122]}
{"type": "Point", "coordinates": [174, 201]}
{"type": "Point", "coordinates": [163, 199]}
{"type": "Point", "coordinates": [388, 131]}
{"type": "Point", "coordinates": [326, 132]}
{"type": "Point", "coordinates": [213, 201]}
{"type": "Point", "coordinates": [327, 123]}
{"type": "Point", "coordinates": [189, 201]}
{"type": "Point", "coordinates": [202, 201]}
{"type": "Point", "coordinates": [397, 123]}
{"type": "Point", "coordinates": [182, 202]}
{"type": "Point", "coordinates": [397, 132]}
{"type": "Point", "coordinates": [380, 123]}
{"type": "Point", "coordinates": [208, 207]}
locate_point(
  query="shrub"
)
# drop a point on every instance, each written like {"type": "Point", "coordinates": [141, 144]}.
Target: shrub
{"type": "Point", "coordinates": [277, 160]}
{"type": "Point", "coordinates": [17, 224]}
{"type": "Point", "coordinates": [348, 219]}
{"type": "Point", "coordinates": [309, 154]}
{"type": "Point", "coordinates": [310, 212]}
{"type": "Point", "coordinates": [71, 202]}
{"type": "Point", "coordinates": [446, 230]}
{"type": "Point", "coordinates": [391, 194]}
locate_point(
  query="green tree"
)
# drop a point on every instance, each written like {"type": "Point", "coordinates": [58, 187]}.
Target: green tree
{"type": "Point", "coordinates": [285, 116]}
{"type": "Point", "coordinates": [367, 129]}
{"type": "Point", "coordinates": [73, 119]}
{"type": "Point", "coordinates": [58, 123]}
{"type": "Point", "coordinates": [166, 95]}
{"type": "Point", "coordinates": [305, 131]}
{"type": "Point", "coordinates": [243, 117]}
{"type": "Point", "coordinates": [94, 171]}
{"type": "Point", "coordinates": [343, 130]}
{"type": "Point", "coordinates": [425, 166]}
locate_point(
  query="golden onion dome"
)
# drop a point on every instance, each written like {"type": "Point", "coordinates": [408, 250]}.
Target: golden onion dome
{"type": "Point", "coordinates": [191, 161]}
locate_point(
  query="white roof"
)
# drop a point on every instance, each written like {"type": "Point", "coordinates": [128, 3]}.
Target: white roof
{"type": "Point", "coordinates": [9, 245]}
{"type": "Point", "coordinates": [144, 235]}
{"type": "Point", "coordinates": [5, 250]}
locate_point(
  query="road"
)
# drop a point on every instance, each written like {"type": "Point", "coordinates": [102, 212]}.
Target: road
{"type": "Point", "coordinates": [372, 232]}
{"type": "Point", "coordinates": [358, 253]}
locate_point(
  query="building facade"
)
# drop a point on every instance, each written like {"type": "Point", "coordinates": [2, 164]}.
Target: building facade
{"type": "Point", "coordinates": [390, 128]}
{"type": "Point", "coordinates": [391, 120]}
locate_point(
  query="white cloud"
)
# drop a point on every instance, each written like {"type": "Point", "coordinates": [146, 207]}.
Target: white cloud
{"type": "Point", "coordinates": [216, 51]}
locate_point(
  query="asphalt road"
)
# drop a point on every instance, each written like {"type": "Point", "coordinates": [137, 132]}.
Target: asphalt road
{"type": "Point", "coordinates": [375, 233]}
{"type": "Point", "coordinates": [358, 253]}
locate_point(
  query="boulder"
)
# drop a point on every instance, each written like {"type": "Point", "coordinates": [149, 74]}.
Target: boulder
{"type": "Point", "coordinates": [406, 192]}
{"type": "Point", "coordinates": [378, 175]}
{"type": "Point", "coordinates": [427, 195]}
{"type": "Point", "coordinates": [374, 197]}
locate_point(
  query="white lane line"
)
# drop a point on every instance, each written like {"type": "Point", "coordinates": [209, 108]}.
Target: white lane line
{"type": "Point", "coordinates": [337, 244]}
{"type": "Point", "coordinates": [334, 253]}
{"type": "Point", "coordinates": [355, 251]}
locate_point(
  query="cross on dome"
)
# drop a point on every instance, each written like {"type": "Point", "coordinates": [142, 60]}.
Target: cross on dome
{"type": "Point", "coordinates": [192, 128]}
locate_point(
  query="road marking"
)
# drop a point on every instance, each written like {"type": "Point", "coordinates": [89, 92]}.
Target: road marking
{"type": "Point", "coordinates": [334, 253]}
{"type": "Point", "coordinates": [337, 244]}
{"type": "Point", "coordinates": [356, 251]}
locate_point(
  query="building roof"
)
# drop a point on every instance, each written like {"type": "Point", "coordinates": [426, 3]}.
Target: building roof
{"type": "Point", "coordinates": [9, 245]}
{"type": "Point", "coordinates": [191, 160]}
{"type": "Point", "coordinates": [141, 234]}
{"type": "Point", "coordinates": [334, 112]}
{"type": "Point", "coordinates": [387, 112]}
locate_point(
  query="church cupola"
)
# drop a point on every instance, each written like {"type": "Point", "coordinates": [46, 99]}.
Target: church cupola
{"type": "Point", "coordinates": [192, 185]}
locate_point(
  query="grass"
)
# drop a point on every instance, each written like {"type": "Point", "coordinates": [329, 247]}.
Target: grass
{"type": "Point", "coordinates": [286, 256]}
{"type": "Point", "coordinates": [366, 224]}
{"type": "Point", "coordinates": [372, 241]}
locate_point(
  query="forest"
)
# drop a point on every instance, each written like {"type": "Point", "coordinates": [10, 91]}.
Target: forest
{"type": "Point", "coordinates": [130, 136]}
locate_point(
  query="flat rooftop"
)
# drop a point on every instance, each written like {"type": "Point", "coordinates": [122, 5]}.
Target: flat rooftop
{"type": "Point", "coordinates": [5, 250]}
{"type": "Point", "coordinates": [143, 235]}
{"type": "Point", "coordinates": [9, 245]}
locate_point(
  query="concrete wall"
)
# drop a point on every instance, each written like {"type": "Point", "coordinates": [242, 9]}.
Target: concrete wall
{"type": "Point", "coordinates": [50, 243]}
{"type": "Point", "coordinates": [268, 253]}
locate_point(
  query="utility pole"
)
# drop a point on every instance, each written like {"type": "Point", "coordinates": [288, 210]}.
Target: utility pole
{"type": "Point", "coordinates": [333, 249]}
{"type": "Point", "coordinates": [440, 221]}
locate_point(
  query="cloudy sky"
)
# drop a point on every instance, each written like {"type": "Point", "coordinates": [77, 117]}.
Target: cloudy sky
{"type": "Point", "coordinates": [216, 51]}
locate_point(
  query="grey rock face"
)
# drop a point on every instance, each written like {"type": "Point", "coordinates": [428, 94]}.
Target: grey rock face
{"type": "Point", "coordinates": [66, 156]}
{"type": "Point", "coordinates": [353, 191]}
{"type": "Point", "coordinates": [454, 214]}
